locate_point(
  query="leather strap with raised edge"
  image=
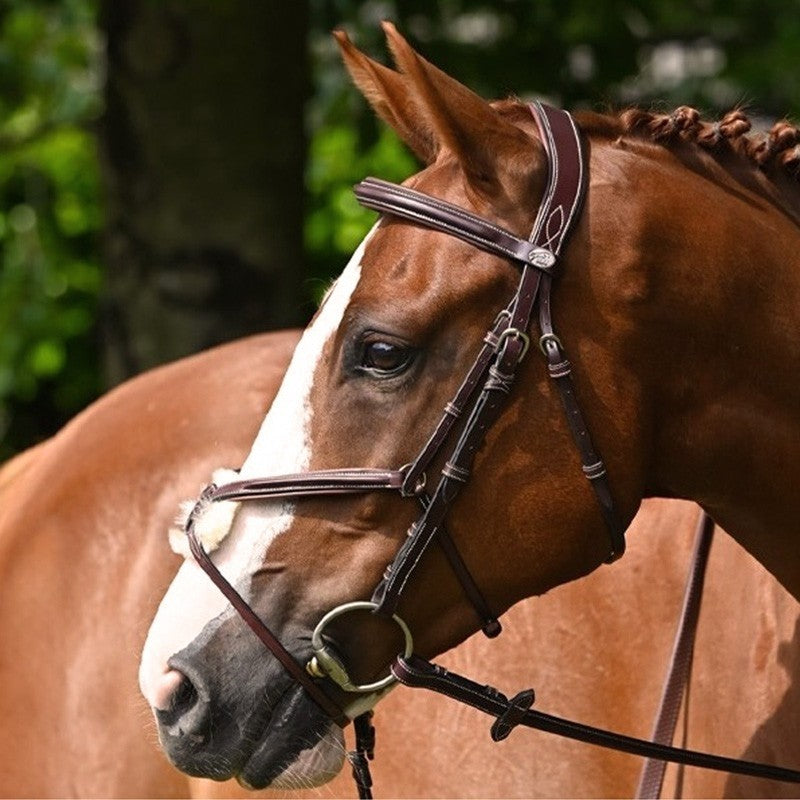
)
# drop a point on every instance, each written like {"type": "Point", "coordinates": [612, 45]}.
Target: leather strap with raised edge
{"type": "Point", "coordinates": [560, 371]}
{"type": "Point", "coordinates": [556, 216]}
{"type": "Point", "coordinates": [268, 638]}
{"type": "Point", "coordinates": [356, 480]}
{"type": "Point", "coordinates": [390, 198]}
{"type": "Point", "coordinates": [566, 188]}
{"type": "Point", "coordinates": [351, 481]}
{"type": "Point", "coordinates": [417, 672]}
{"type": "Point", "coordinates": [651, 778]}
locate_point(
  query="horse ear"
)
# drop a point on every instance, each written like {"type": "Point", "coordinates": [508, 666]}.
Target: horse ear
{"type": "Point", "coordinates": [389, 94]}
{"type": "Point", "coordinates": [461, 120]}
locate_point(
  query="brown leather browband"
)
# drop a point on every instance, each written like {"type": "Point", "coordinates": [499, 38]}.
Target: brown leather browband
{"type": "Point", "coordinates": [466, 418]}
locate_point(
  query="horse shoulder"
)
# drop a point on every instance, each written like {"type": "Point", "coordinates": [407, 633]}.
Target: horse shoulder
{"type": "Point", "coordinates": [11, 473]}
{"type": "Point", "coordinates": [84, 560]}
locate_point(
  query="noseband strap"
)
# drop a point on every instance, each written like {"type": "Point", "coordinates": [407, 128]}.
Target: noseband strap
{"type": "Point", "coordinates": [322, 481]}
{"type": "Point", "coordinates": [254, 622]}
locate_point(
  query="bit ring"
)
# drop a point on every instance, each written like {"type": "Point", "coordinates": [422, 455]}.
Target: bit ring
{"type": "Point", "coordinates": [325, 664]}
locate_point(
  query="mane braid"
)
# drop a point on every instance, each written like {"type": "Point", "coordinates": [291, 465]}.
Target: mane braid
{"type": "Point", "coordinates": [774, 152]}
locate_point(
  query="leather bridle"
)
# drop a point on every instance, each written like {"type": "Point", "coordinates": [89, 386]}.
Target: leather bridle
{"type": "Point", "coordinates": [474, 408]}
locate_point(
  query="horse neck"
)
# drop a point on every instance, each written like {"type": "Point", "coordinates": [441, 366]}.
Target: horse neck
{"type": "Point", "coordinates": [713, 295]}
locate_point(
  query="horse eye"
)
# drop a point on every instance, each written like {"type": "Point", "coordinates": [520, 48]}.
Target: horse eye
{"type": "Point", "coordinates": [385, 357]}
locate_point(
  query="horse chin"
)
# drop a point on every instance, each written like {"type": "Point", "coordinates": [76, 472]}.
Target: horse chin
{"type": "Point", "coordinates": [301, 748]}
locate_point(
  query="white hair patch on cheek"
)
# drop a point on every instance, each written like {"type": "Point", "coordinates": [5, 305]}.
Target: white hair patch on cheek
{"type": "Point", "coordinates": [213, 524]}
{"type": "Point", "coordinates": [282, 446]}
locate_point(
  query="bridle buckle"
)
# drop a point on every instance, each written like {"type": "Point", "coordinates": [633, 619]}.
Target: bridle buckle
{"type": "Point", "coordinates": [548, 338]}
{"type": "Point", "coordinates": [514, 333]}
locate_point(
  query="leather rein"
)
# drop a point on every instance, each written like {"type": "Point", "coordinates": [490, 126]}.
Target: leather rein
{"type": "Point", "coordinates": [473, 409]}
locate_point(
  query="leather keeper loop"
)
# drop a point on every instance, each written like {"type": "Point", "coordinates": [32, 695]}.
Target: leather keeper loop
{"type": "Point", "coordinates": [491, 339]}
{"type": "Point", "coordinates": [455, 473]}
{"type": "Point", "coordinates": [498, 381]}
{"type": "Point", "coordinates": [560, 370]}
{"type": "Point", "coordinates": [594, 471]}
{"type": "Point", "coordinates": [452, 410]}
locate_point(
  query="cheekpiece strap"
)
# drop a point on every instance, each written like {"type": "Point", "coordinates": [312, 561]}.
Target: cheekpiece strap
{"type": "Point", "coordinates": [495, 374]}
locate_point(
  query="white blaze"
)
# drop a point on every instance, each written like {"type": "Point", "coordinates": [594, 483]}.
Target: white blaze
{"type": "Point", "coordinates": [281, 447]}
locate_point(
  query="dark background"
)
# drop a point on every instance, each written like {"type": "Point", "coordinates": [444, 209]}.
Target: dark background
{"type": "Point", "coordinates": [177, 173]}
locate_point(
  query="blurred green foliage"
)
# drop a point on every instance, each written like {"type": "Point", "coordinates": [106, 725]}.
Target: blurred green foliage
{"type": "Point", "coordinates": [335, 222]}
{"type": "Point", "coordinates": [597, 54]}
{"type": "Point", "coordinates": [584, 53]}
{"type": "Point", "coordinates": [50, 217]}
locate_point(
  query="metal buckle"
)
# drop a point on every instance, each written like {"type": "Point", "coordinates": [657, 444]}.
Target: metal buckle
{"type": "Point", "coordinates": [419, 486]}
{"type": "Point", "coordinates": [503, 314]}
{"type": "Point", "coordinates": [324, 664]}
{"type": "Point", "coordinates": [516, 333]}
{"type": "Point", "coordinates": [549, 337]}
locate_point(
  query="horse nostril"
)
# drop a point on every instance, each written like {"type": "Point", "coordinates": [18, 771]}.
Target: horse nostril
{"type": "Point", "coordinates": [184, 709]}
{"type": "Point", "coordinates": [185, 697]}
{"type": "Point", "coordinates": [173, 692]}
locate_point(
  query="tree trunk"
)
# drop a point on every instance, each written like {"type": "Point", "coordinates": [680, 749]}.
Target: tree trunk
{"type": "Point", "coordinates": [203, 149]}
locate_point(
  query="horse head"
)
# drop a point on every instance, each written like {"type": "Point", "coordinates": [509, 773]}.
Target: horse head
{"type": "Point", "coordinates": [388, 350]}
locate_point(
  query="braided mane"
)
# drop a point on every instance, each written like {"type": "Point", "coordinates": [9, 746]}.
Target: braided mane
{"type": "Point", "coordinates": [778, 149]}
{"type": "Point", "coordinates": [768, 162]}
{"type": "Point", "coordinates": [775, 153]}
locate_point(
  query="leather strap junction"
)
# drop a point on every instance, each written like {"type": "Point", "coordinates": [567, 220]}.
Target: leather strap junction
{"type": "Point", "coordinates": [476, 405]}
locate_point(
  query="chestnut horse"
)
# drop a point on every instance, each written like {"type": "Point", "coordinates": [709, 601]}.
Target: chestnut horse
{"type": "Point", "coordinates": [84, 560]}
{"type": "Point", "coordinates": [676, 298]}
